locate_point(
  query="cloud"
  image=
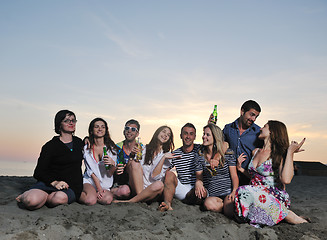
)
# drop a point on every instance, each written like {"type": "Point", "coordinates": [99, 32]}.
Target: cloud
{"type": "Point", "coordinates": [21, 104]}
{"type": "Point", "coordinates": [121, 35]}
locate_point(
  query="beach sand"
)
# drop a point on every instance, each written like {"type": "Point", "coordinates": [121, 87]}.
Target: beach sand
{"type": "Point", "coordinates": [143, 221]}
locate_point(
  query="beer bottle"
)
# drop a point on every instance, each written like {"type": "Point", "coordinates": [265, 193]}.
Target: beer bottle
{"type": "Point", "coordinates": [108, 166]}
{"type": "Point", "coordinates": [120, 157]}
{"type": "Point", "coordinates": [139, 154]}
{"type": "Point", "coordinates": [215, 114]}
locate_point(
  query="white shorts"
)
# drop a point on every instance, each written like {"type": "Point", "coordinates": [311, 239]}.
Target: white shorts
{"type": "Point", "coordinates": [90, 181]}
{"type": "Point", "coordinates": [182, 189]}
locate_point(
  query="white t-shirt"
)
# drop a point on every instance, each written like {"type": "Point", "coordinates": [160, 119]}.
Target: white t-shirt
{"type": "Point", "coordinates": [148, 169]}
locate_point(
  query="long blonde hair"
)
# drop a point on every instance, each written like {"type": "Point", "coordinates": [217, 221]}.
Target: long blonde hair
{"type": "Point", "coordinates": [218, 143]}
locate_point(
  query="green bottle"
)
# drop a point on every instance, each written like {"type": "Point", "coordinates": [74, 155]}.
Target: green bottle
{"type": "Point", "coordinates": [120, 158]}
{"type": "Point", "coordinates": [215, 114]}
{"type": "Point", "coordinates": [105, 154]}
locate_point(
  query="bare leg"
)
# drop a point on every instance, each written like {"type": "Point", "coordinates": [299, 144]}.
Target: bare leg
{"type": "Point", "coordinates": [147, 194]}
{"type": "Point", "coordinates": [192, 199]}
{"type": "Point", "coordinates": [292, 218]}
{"type": "Point", "coordinates": [33, 199]}
{"type": "Point", "coordinates": [135, 173]}
{"type": "Point", "coordinates": [107, 198]}
{"type": "Point", "coordinates": [228, 207]}
{"type": "Point", "coordinates": [214, 204]}
{"type": "Point", "coordinates": [57, 198]}
{"type": "Point", "coordinates": [89, 195]}
{"type": "Point", "coordinates": [169, 191]}
{"type": "Point", "coordinates": [121, 192]}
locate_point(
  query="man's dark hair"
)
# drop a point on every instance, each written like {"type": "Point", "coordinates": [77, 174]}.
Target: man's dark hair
{"type": "Point", "coordinates": [188, 125]}
{"type": "Point", "coordinates": [250, 104]}
{"type": "Point", "coordinates": [133, 121]}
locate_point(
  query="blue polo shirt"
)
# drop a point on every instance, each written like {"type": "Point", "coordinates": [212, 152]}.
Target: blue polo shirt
{"type": "Point", "coordinates": [246, 143]}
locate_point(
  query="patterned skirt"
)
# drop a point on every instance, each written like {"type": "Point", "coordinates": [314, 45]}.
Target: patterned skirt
{"type": "Point", "coordinates": [261, 205]}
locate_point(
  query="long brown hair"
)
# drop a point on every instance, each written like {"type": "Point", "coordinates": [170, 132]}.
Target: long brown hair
{"type": "Point", "coordinates": [279, 143]}
{"type": "Point", "coordinates": [154, 144]}
{"type": "Point", "coordinates": [218, 143]}
{"type": "Point", "coordinates": [107, 139]}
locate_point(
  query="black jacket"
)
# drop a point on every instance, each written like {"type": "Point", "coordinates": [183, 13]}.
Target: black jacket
{"type": "Point", "coordinates": [58, 162]}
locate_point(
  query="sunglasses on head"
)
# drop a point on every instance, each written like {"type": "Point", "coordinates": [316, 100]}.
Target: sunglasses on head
{"type": "Point", "coordinates": [132, 128]}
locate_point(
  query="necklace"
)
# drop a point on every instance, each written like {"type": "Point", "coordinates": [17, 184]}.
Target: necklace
{"type": "Point", "coordinates": [94, 155]}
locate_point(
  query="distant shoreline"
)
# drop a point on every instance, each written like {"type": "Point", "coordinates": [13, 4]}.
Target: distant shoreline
{"type": "Point", "coordinates": [26, 168]}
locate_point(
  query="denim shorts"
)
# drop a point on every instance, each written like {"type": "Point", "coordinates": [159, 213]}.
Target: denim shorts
{"type": "Point", "coordinates": [222, 197]}
{"type": "Point", "coordinates": [49, 189]}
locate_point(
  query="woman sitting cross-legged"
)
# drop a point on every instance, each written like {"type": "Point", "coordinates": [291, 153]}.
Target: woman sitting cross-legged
{"type": "Point", "coordinates": [218, 164]}
{"type": "Point", "coordinates": [100, 162]}
{"type": "Point", "coordinates": [58, 171]}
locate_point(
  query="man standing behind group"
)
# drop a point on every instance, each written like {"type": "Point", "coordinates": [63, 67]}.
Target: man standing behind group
{"type": "Point", "coordinates": [242, 135]}
{"type": "Point", "coordinates": [182, 185]}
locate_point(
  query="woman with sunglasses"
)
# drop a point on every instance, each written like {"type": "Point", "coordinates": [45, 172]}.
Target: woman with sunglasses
{"type": "Point", "coordinates": [58, 171]}
{"type": "Point", "coordinates": [100, 162]}
{"type": "Point", "coordinates": [155, 161]}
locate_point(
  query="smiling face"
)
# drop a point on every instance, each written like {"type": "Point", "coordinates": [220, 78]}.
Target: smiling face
{"type": "Point", "coordinates": [207, 137]}
{"type": "Point", "coordinates": [131, 132]}
{"type": "Point", "coordinates": [264, 132]}
{"type": "Point", "coordinates": [248, 118]}
{"type": "Point", "coordinates": [188, 136]}
{"type": "Point", "coordinates": [68, 125]}
{"type": "Point", "coordinates": [164, 135]}
{"type": "Point", "coordinates": [99, 129]}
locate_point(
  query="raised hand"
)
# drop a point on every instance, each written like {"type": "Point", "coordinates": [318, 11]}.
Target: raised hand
{"type": "Point", "coordinates": [295, 147]}
{"type": "Point", "coordinates": [169, 155]}
{"type": "Point", "coordinates": [211, 119]}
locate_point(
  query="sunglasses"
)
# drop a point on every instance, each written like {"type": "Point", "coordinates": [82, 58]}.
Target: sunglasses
{"type": "Point", "coordinates": [132, 128]}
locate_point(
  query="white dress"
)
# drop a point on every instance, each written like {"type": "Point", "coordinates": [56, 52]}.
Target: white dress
{"type": "Point", "coordinates": [148, 169]}
{"type": "Point", "coordinates": [98, 168]}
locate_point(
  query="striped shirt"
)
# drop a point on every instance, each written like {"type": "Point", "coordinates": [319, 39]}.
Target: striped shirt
{"type": "Point", "coordinates": [221, 183]}
{"type": "Point", "coordinates": [185, 166]}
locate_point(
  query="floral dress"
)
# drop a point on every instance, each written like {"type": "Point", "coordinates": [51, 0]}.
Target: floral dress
{"type": "Point", "coordinates": [264, 201]}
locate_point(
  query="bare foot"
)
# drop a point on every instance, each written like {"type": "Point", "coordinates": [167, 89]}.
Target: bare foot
{"type": "Point", "coordinates": [19, 198]}
{"type": "Point", "coordinates": [305, 219]}
{"type": "Point", "coordinates": [163, 207]}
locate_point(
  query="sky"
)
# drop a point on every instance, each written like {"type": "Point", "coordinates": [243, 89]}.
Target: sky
{"type": "Point", "coordinates": [162, 63]}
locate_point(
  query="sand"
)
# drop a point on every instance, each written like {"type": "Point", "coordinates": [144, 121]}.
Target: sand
{"type": "Point", "coordinates": [143, 221]}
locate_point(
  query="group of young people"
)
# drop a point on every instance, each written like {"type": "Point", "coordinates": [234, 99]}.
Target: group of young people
{"type": "Point", "coordinates": [241, 170]}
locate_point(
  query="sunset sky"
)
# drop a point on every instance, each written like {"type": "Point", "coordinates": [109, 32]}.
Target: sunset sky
{"type": "Point", "coordinates": [162, 63]}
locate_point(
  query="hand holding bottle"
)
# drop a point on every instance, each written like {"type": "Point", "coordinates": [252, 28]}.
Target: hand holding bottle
{"type": "Point", "coordinates": [108, 162]}
{"type": "Point", "coordinates": [120, 168]}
